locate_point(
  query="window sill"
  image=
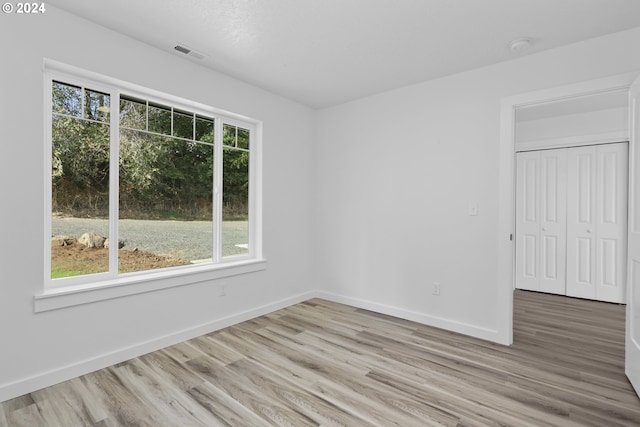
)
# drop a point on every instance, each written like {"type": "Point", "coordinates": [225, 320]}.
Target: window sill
{"type": "Point", "coordinates": [84, 294]}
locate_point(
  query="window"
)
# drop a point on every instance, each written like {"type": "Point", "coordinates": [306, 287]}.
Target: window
{"type": "Point", "coordinates": [166, 185]}
{"type": "Point", "coordinates": [142, 182]}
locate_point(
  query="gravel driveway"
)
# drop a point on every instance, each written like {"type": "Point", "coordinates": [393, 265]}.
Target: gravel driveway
{"type": "Point", "coordinates": [189, 240]}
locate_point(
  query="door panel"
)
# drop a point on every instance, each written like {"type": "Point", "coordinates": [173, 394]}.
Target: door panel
{"type": "Point", "coordinates": [584, 266]}
{"type": "Point", "coordinates": [527, 223]}
{"type": "Point", "coordinates": [633, 308]}
{"type": "Point", "coordinates": [611, 220]}
{"type": "Point", "coordinates": [581, 196]}
{"type": "Point", "coordinates": [609, 260]}
{"type": "Point", "coordinates": [550, 258]}
{"type": "Point", "coordinates": [541, 221]}
{"type": "Point", "coordinates": [584, 167]}
{"type": "Point", "coordinates": [553, 188]}
{"type": "Point", "coordinates": [530, 257]}
{"type": "Point", "coordinates": [632, 351]}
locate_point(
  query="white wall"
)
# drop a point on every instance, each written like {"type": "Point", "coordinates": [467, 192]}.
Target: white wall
{"type": "Point", "coordinates": [398, 171]}
{"type": "Point", "coordinates": [36, 349]}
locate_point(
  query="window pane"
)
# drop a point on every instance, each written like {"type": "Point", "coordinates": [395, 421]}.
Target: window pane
{"type": "Point", "coordinates": [159, 119]}
{"type": "Point", "coordinates": [166, 200]}
{"type": "Point", "coordinates": [97, 106]}
{"type": "Point", "coordinates": [243, 138]}
{"type": "Point", "coordinates": [67, 99]}
{"type": "Point", "coordinates": [229, 135]}
{"type": "Point", "coordinates": [235, 202]}
{"type": "Point", "coordinates": [183, 124]}
{"type": "Point", "coordinates": [133, 113]}
{"type": "Point", "coordinates": [79, 197]}
{"type": "Point", "coordinates": [204, 129]}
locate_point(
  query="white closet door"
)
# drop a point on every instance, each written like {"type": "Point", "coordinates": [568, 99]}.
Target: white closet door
{"type": "Point", "coordinates": [527, 220]}
{"type": "Point", "coordinates": [581, 222]}
{"type": "Point", "coordinates": [541, 220]}
{"type": "Point", "coordinates": [611, 222]}
{"type": "Point", "coordinates": [596, 214]}
{"type": "Point", "coordinates": [553, 221]}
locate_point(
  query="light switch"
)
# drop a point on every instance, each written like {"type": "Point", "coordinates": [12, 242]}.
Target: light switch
{"type": "Point", "coordinates": [473, 208]}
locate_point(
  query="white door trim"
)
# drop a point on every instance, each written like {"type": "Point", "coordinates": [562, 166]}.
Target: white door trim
{"type": "Point", "coordinates": [506, 182]}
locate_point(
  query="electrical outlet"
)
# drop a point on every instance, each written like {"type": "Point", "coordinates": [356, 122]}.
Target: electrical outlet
{"type": "Point", "coordinates": [436, 288]}
{"type": "Point", "coordinates": [223, 290]}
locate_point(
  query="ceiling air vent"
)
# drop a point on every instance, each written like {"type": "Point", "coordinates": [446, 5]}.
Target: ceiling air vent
{"type": "Point", "coordinates": [188, 51]}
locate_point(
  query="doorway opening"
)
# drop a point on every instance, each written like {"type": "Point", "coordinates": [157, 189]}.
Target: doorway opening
{"type": "Point", "coordinates": [540, 102]}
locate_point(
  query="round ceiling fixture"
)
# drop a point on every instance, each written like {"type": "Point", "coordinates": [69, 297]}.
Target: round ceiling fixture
{"type": "Point", "coordinates": [519, 45]}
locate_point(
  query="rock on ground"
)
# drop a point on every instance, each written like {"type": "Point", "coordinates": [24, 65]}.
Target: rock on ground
{"type": "Point", "coordinates": [92, 240]}
{"type": "Point", "coordinates": [63, 240]}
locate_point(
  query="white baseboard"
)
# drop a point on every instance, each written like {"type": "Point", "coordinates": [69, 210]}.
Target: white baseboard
{"type": "Point", "coordinates": [438, 322]}
{"type": "Point", "coordinates": [64, 373]}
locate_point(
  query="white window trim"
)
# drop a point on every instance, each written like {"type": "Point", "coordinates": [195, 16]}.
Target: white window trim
{"type": "Point", "coordinates": [152, 280]}
{"type": "Point", "coordinates": [58, 293]}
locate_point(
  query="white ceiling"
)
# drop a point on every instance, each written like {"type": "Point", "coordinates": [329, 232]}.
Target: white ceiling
{"type": "Point", "coordinates": [326, 52]}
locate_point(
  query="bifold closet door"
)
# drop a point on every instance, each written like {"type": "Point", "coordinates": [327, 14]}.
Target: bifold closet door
{"type": "Point", "coordinates": [541, 220]}
{"type": "Point", "coordinates": [596, 222]}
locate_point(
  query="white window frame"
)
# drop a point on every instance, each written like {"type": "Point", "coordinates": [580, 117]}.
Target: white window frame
{"type": "Point", "coordinates": [58, 293]}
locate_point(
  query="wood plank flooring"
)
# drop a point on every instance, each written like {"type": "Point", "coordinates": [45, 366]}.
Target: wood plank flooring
{"type": "Point", "coordinates": [320, 363]}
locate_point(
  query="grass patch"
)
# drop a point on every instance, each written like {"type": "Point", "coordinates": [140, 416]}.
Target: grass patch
{"type": "Point", "coordinates": [59, 271]}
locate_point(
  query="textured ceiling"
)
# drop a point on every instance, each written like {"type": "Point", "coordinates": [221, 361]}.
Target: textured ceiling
{"type": "Point", "coordinates": [326, 52]}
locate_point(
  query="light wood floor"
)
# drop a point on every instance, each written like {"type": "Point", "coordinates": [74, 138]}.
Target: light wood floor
{"type": "Point", "coordinates": [321, 363]}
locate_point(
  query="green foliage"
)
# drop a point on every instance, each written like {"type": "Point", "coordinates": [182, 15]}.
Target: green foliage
{"type": "Point", "coordinates": [235, 195]}
{"type": "Point", "coordinates": [166, 159]}
{"type": "Point", "coordinates": [162, 174]}
{"type": "Point", "coordinates": [235, 160]}
{"type": "Point", "coordinates": [80, 165]}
